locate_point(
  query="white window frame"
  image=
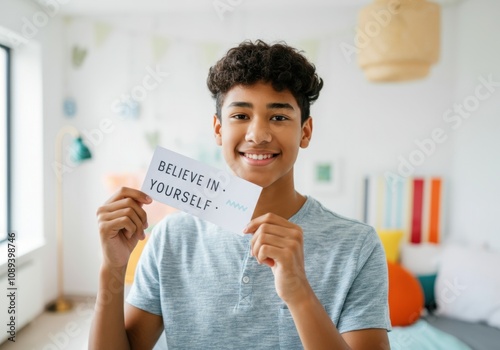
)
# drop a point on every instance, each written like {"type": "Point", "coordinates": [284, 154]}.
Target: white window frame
{"type": "Point", "coordinates": [5, 147]}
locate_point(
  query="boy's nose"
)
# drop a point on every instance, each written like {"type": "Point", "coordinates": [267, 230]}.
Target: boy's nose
{"type": "Point", "coordinates": [258, 132]}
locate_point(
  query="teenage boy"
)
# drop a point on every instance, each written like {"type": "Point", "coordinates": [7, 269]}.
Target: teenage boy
{"type": "Point", "coordinates": [301, 276]}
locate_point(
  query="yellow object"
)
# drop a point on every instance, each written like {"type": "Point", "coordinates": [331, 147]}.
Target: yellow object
{"type": "Point", "coordinates": [133, 260]}
{"type": "Point", "coordinates": [391, 240]}
{"type": "Point", "coordinates": [398, 39]}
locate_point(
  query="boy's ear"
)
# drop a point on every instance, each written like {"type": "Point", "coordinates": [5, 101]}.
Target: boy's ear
{"type": "Point", "coordinates": [217, 132]}
{"type": "Point", "coordinates": [307, 129]}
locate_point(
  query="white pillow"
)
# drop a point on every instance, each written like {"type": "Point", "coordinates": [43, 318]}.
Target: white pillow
{"type": "Point", "coordinates": [468, 285]}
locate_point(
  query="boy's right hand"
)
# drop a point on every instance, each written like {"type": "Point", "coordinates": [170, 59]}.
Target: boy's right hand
{"type": "Point", "coordinates": [122, 222]}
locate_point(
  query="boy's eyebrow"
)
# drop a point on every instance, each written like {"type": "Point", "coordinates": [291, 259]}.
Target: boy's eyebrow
{"type": "Point", "coordinates": [241, 104]}
{"type": "Point", "coordinates": [273, 105]}
{"type": "Point", "coordinates": [278, 105]}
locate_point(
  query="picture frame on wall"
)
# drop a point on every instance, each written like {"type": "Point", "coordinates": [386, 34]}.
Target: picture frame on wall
{"type": "Point", "coordinates": [325, 176]}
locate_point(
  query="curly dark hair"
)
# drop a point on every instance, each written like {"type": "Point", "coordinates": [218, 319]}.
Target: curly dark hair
{"type": "Point", "coordinates": [279, 64]}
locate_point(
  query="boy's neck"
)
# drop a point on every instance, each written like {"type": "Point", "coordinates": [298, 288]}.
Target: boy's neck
{"type": "Point", "coordinates": [281, 199]}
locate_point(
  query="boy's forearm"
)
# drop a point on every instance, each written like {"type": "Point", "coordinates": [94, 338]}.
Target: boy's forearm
{"type": "Point", "coordinates": [315, 328]}
{"type": "Point", "coordinates": [108, 326]}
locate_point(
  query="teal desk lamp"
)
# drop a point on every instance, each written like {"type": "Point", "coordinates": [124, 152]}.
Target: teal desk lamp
{"type": "Point", "coordinates": [78, 153]}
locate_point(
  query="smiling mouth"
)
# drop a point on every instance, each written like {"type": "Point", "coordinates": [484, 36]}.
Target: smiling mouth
{"type": "Point", "coordinates": [259, 156]}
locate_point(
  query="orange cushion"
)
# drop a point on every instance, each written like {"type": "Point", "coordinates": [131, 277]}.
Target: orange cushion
{"type": "Point", "coordinates": [406, 298]}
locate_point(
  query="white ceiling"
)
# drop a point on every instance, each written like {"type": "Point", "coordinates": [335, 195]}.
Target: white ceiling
{"type": "Point", "coordinates": [155, 6]}
{"type": "Point", "coordinates": [101, 7]}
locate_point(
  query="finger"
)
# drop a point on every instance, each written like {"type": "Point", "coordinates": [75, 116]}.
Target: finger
{"type": "Point", "coordinates": [125, 212]}
{"type": "Point", "coordinates": [119, 225]}
{"type": "Point", "coordinates": [289, 241]}
{"type": "Point", "coordinates": [287, 253]}
{"type": "Point", "coordinates": [267, 254]}
{"type": "Point", "coordinates": [286, 234]}
{"type": "Point", "coordinates": [260, 240]}
{"type": "Point", "coordinates": [132, 241]}
{"type": "Point", "coordinates": [269, 235]}
{"type": "Point", "coordinates": [124, 204]}
{"type": "Point", "coordinates": [267, 232]}
{"type": "Point", "coordinates": [268, 218]}
{"type": "Point", "coordinates": [127, 192]}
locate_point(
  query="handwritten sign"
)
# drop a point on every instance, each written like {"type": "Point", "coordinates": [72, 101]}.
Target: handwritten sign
{"type": "Point", "coordinates": [201, 190]}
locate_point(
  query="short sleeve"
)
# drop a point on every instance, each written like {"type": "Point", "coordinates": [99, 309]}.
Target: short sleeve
{"type": "Point", "coordinates": [366, 305]}
{"type": "Point", "coordinates": [145, 291]}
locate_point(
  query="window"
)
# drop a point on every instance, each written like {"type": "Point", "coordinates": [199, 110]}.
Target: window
{"type": "Point", "coordinates": [4, 142]}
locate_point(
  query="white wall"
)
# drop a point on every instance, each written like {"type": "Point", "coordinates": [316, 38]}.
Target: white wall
{"type": "Point", "coordinates": [476, 164]}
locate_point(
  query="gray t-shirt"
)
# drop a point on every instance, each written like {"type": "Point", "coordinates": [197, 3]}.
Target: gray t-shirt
{"type": "Point", "coordinates": [213, 295]}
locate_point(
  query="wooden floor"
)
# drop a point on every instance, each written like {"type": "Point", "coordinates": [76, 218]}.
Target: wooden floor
{"type": "Point", "coordinates": [56, 331]}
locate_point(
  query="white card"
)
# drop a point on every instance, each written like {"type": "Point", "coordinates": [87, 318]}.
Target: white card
{"type": "Point", "coordinates": [199, 189]}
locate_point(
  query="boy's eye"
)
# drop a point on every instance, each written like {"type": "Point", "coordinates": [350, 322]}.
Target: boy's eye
{"type": "Point", "coordinates": [239, 116]}
{"type": "Point", "coordinates": [279, 118]}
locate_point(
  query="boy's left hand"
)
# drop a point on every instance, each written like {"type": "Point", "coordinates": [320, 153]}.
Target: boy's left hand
{"type": "Point", "coordinates": [279, 243]}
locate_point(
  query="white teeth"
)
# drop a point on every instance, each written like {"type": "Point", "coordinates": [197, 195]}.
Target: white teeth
{"type": "Point", "coordinates": [258, 156]}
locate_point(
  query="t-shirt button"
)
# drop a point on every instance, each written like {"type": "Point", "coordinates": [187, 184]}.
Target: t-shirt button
{"type": "Point", "coordinates": [246, 279]}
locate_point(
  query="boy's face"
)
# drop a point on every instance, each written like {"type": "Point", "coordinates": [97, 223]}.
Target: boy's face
{"type": "Point", "coordinates": [260, 133]}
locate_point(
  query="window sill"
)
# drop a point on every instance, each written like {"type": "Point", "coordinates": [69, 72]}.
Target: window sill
{"type": "Point", "coordinates": [24, 249]}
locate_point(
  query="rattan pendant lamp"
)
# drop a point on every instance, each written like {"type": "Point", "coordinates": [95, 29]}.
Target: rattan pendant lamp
{"type": "Point", "coordinates": [398, 40]}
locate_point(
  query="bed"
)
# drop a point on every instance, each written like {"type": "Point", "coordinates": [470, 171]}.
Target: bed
{"type": "Point", "coordinates": [435, 333]}
{"type": "Point", "coordinates": [462, 303]}
{"type": "Point", "coordinates": [478, 336]}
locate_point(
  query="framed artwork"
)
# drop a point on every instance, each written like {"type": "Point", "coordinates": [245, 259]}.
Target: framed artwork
{"type": "Point", "coordinates": [325, 176]}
